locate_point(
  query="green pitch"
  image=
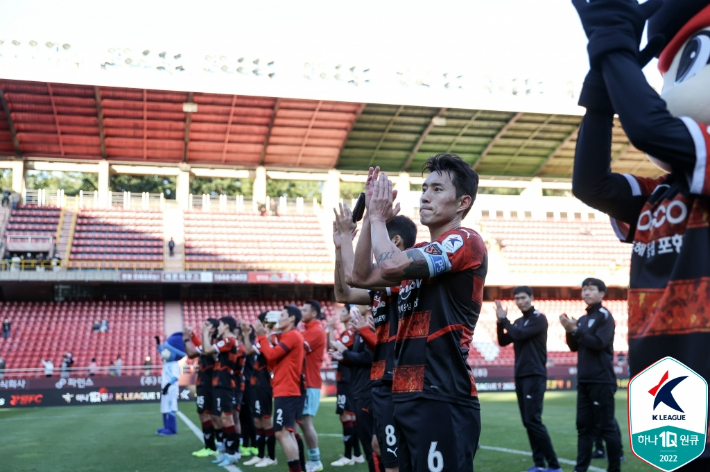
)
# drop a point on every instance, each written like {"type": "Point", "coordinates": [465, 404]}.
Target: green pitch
{"type": "Point", "coordinates": [122, 438]}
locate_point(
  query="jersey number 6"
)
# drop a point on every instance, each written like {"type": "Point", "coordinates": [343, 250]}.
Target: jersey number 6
{"type": "Point", "coordinates": [435, 460]}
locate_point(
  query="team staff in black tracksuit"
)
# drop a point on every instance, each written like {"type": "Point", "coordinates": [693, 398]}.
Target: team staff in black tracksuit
{"type": "Point", "coordinates": [592, 336]}
{"type": "Point", "coordinates": [529, 337]}
{"type": "Point", "coordinates": [360, 358]}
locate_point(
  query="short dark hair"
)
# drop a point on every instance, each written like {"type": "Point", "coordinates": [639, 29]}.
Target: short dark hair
{"type": "Point", "coordinates": [262, 317]}
{"type": "Point", "coordinates": [523, 289]}
{"type": "Point", "coordinates": [231, 322]}
{"type": "Point", "coordinates": [462, 176]}
{"type": "Point", "coordinates": [315, 306]}
{"type": "Point", "coordinates": [403, 227]}
{"type": "Point", "coordinates": [215, 323]}
{"type": "Point", "coordinates": [595, 282]}
{"type": "Point", "coordinates": [294, 311]}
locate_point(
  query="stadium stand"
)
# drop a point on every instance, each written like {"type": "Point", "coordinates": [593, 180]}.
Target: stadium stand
{"type": "Point", "coordinates": [251, 242]}
{"type": "Point", "coordinates": [117, 238]}
{"type": "Point", "coordinates": [58, 327]}
{"type": "Point", "coordinates": [50, 329]}
{"type": "Point", "coordinates": [532, 245]}
{"type": "Point", "coordinates": [33, 220]}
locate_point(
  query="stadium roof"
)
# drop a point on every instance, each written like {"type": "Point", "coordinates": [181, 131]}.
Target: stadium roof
{"type": "Point", "coordinates": [80, 122]}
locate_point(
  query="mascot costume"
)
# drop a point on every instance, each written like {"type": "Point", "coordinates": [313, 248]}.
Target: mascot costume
{"type": "Point", "coordinates": [172, 351]}
{"type": "Point", "coordinates": [667, 219]}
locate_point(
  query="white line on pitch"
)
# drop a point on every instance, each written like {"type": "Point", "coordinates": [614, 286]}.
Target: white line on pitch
{"type": "Point", "coordinates": [231, 468]}
{"type": "Point", "coordinates": [525, 453]}
{"type": "Point", "coordinates": [198, 433]}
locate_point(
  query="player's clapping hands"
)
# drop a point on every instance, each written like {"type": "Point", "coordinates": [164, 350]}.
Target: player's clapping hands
{"type": "Point", "coordinates": [382, 197]}
{"type": "Point", "coordinates": [358, 320]}
{"type": "Point", "coordinates": [501, 313]}
{"type": "Point", "coordinates": [186, 332]}
{"type": "Point", "coordinates": [206, 327]}
{"type": "Point", "coordinates": [569, 324]}
{"type": "Point", "coordinates": [344, 223]}
{"type": "Point", "coordinates": [246, 328]}
{"type": "Point", "coordinates": [259, 329]}
{"type": "Point", "coordinates": [336, 355]}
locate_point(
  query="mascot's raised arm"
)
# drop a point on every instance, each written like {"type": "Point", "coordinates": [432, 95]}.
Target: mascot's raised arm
{"type": "Point", "coordinates": [667, 219]}
{"type": "Point", "coordinates": [172, 351]}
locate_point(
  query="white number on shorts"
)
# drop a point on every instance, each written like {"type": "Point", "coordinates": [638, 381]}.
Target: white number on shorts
{"type": "Point", "coordinates": [391, 439]}
{"type": "Point", "coordinates": [435, 461]}
{"type": "Point", "coordinates": [219, 404]}
{"type": "Point", "coordinates": [200, 401]}
{"type": "Point", "coordinates": [257, 407]}
{"type": "Point", "coordinates": [341, 401]}
{"type": "Point", "coordinates": [280, 417]}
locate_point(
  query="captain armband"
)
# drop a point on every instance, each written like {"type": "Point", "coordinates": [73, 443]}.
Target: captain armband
{"type": "Point", "coordinates": [436, 258]}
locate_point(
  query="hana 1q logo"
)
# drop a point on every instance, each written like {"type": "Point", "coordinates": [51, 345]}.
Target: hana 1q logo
{"type": "Point", "coordinates": [668, 414]}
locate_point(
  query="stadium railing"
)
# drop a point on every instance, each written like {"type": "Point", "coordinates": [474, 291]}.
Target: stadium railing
{"type": "Point", "coordinates": [30, 264]}
{"type": "Point", "coordinates": [101, 371]}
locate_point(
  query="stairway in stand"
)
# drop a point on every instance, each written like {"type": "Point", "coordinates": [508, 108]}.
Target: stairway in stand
{"type": "Point", "coordinates": [4, 216]}
{"type": "Point", "coordinates": [173, 318]}
{"type": "Point", "coordinates": [66, 233]}
{"type": "Point", "coordinates": [174, 227]}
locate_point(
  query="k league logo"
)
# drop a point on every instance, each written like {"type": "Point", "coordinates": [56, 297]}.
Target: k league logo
{"type": "Point", "coordinates": [668, 414]}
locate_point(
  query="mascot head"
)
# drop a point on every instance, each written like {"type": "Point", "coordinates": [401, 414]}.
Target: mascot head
{"type": "Point", "coordinates": [684, 61]}
{"type": "Point", "coordinates": [173, 348]}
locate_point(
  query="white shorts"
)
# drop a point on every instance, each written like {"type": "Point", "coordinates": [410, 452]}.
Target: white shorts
{"type": "Point", "coordinates": [169, 401]}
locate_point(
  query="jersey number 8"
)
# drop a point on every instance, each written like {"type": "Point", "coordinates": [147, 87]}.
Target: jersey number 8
{"type": "Point", "coordinates": [391, 438]}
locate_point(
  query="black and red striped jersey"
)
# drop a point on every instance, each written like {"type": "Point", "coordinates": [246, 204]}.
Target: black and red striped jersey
{"type": "Point", "coordinates": [343, 373]}
{"type": "Point", "coordinates": [226, 363]}
{"type": "Point", "coordinates": [669, 284]}
{"type": "Point", "coordinates": [437, 317]}
{"type": "Point", "coordinates": [262, 373]}
{"type": "Point", "coordinates": [238, 374]}
{"type": "Point", "coordinates": [384, 309]}
{"type": "Point", "coordinates": [205, 368]}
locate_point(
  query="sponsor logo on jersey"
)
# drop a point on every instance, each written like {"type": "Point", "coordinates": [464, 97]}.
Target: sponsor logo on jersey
{"type": "Point", "coordinates": [407, 287]}
{"type": "Point", "coordinates": [452, 243]}
{"type": "Point", "coordinates": [673, 213]}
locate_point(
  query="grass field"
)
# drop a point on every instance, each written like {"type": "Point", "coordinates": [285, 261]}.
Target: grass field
{"type": "Point", "coordinates": [122, 438]}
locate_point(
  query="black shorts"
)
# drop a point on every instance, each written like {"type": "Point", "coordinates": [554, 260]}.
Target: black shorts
{"type": "Point", "coordinates": [223, 401]}
{"type": "Point", "coordinates": [436, 435]}
{"type": "Point", "coordinates": [203, 395]}
{"type": "Point", "coordinates": [261, 402]}
{"type": "Point", "coordinates": [286, 410]}
{"type": "Point", "coordinates": [238, 394]}
{"type": "Point", "coordinates": [344, 402]}
{"type": "Point", "coordinates": [383, 424]}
